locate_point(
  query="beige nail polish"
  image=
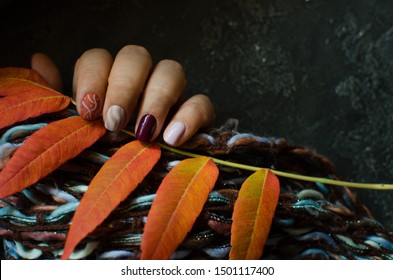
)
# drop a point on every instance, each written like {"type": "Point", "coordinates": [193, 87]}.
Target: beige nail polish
{"type": "Point", "coordinates": [115, 118]}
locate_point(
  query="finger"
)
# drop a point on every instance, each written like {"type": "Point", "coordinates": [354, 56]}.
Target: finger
{"type": "Point", "coordinates": [75, 79]}
{"type": "Point", "coordinates": [125, 85]}
{"type": "Point", "coordinates": [197, 112]}
{"type": "Point", "coordinates": [47, 69]}
{"type": "Point", "coordinates": [90, 82]}
{"type": "Point", "coordinates": [162, 91]}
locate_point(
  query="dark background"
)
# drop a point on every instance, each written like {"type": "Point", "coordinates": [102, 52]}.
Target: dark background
{"type": "Point", "coordinates": [318, 73]}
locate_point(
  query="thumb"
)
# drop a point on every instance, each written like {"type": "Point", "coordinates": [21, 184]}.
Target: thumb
{"type": "Point", "coordinates": [47, 69]}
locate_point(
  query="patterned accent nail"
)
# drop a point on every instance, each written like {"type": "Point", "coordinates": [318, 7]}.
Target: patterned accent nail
{"type": "Point", "coordinates": [175, 132]}
{"type": "Point", "coordinates": [115, 118]}
{"type": "Point", "coordinates": [90, 107]}
{"type": "Point", "coordinates": [146, 127]}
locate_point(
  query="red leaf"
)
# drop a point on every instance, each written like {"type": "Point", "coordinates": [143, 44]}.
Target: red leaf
{"type": "Point", "coordinates": [47, 149]}
{"type": "Point", "coordinates": [27, 95]}
{"type": "Point", "coordinates": [119, 176]}
{"type": "Point", "coordinates": [19, 80]}
{"type": "Point", "coordinates": [178, 202]}
{"type": "Point", "coordinates": [253, 214]}
{"type": "Point", "coordinates": [15, 73]}
{"type": "Point", "coordinates": [32, 103]}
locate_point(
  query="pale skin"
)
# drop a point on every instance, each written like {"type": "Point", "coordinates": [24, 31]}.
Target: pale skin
{"type": "Point", "coordinates": [113, 88]}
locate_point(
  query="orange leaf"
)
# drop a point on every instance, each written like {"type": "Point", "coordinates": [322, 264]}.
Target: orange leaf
{"type": "Point", "coordinates": [47, 149]}
{"type": "Point", "coordinates": [22, 74]}
{"type": "Point", "coordinates": [32, 102]}
{"type": "Point", "coordinates": [178, 202]}
{"type": "Point", "coordinates": [27, 95]}
{"type": "Point", "coordinates": [19, 80]}
{"type": "Point", "coordinates": [118, 177]}
{"type": "Point", "coordinates": [253, 214]}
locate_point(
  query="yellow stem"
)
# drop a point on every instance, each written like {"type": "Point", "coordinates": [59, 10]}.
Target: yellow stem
{"type": "Point", "coordinates": [277, 172]}
{"type": "Point", "coordinates": [280, 173]}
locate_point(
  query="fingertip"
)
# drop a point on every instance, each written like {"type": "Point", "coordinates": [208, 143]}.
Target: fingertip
{"type": "Point", "coordinates": [90, 81]}
{"type": "Point", "coordinates": [90, 106]}
{"type": "Point", "coordinates": [174, 133]}
{"type": "Point", "coordinates": [126, 82]}
{"type": "Point", "coordinates": [146, 128]}
{"type": "Point", "coordinates": [207, 108]}
{"type": "Point", "coordinates": [196, 113]}
{"type": "Point", "coordinates": [115, 119]}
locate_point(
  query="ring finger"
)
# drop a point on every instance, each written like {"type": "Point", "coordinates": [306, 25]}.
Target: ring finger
{"type": "Point", "coordinates": [164, 88]}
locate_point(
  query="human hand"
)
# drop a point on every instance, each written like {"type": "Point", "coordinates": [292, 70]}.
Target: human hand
{"type": "Point", "coordinates": [115, 87]}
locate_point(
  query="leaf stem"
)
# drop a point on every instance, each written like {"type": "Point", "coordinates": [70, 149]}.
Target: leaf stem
{"type": "Point", "coordinates": [280, 173]}
{"type": "Point", "coordinates": [322, 180]}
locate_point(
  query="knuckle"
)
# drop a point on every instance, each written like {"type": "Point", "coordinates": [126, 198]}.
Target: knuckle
{"type": "Point", "coordinates": [164, 97]}
{"type": "Point", "coordinates": [124, 84]}
{"type": "Point", "coordinates": [95, 51]}
{"type": "Point", "coordinates": [203, 107]}
{"type": "Point", "coordinates": [173, 64]}
{"type": "Point", "coordinates": [203, 99]}
{"type": "Point", "coordinates": [174, 67]}
{"type": "Point", "coordinates": [139, 50]}
{"type": "Point", "coordinates": [92, 74]}
{"type": "Point", "coordinates": [90, 64]}
{"type": "Point", "coordinates": [199, 111]}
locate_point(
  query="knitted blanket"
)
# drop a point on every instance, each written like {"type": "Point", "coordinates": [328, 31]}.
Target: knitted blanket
{"type": "Point", "coordinates": [312, 220]}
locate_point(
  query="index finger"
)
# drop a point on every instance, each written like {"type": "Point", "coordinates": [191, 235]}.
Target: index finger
{"type": "Point", "coordinates": [90, 82]}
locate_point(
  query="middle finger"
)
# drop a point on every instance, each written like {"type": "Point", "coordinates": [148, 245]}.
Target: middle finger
{"type": "Point", "coordinates": [125, 84]}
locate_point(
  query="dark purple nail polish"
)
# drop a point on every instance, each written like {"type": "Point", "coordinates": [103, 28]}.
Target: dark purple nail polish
{"type": "Point", "coordinates": [146, 127]}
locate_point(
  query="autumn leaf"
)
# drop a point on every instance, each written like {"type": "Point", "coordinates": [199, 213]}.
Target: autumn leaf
{"type": "Point", "coordinates": [27, 95]}
{"type": "Point", "coordinates": [118, 177]}
{"type": "Point", "coordinates": [47, 149]}
{"type": "Point", "coordinates": [16, 73]}
{"type": "Point", "coordinates": [18, 80]}
{"type": "Point", "coordinates": [31, 103]}
{"type": "Point", "coordinates": [179, 201]}
{"type": "Point", "coordinates": [253, 214]}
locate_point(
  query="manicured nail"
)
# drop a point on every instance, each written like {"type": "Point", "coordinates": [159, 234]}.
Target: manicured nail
{"type": "Point", "coordinates": [90, 107]}
{"type": "Point", "coordinates": [115, 118]}
{"type": "Point", "coordinates": [146, 127]}
{"type": "Point", "coordinates": [175, 132]}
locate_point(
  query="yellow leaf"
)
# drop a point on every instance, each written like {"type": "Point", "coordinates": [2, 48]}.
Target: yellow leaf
{"type": "Point", "coordinates": [253, 214]}
{"type": "Point", "coordinates": [179, 201]}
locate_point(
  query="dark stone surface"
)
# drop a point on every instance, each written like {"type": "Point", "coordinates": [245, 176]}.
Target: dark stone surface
{"type": "Point", "coordinates": [318, 73]}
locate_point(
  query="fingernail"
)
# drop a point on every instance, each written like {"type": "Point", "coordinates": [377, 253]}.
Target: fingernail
{"type": "Point", "coordinates": [175, 132]}
{"type": "Point", "coordinates": [115, 118]}
{"type": "Point", "coordinates": [146, 127]}
{"type": "Point", "coordinates": [90, 107]}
